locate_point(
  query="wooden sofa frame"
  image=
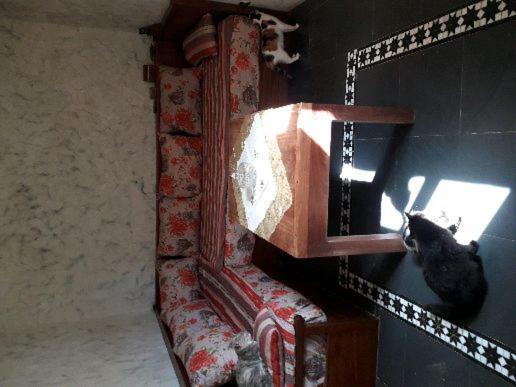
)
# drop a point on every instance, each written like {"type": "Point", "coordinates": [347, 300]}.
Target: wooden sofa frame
{"type": "Point", "coordinates": [351, 334]}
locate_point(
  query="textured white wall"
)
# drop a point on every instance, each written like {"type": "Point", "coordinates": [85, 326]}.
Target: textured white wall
{"type": "Point", "coordinates": [76, 174]}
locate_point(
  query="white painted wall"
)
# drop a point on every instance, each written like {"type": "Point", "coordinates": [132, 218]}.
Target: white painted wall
{"type": "Point", "coordinates": [76, 174]}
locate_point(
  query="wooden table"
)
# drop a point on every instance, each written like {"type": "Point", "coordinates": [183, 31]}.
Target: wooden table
{"type": "Point", "coordinates": [279, 177]}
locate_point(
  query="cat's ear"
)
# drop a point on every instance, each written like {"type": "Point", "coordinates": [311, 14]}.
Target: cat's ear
{"type": "Point", "coordinates": [409, 216]}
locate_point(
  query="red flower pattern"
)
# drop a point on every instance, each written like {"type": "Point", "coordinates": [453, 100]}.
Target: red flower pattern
{"type": "Point", "coordinates": [242, 61]}
{"type": "Point", "coordinates": [181, 166]}
{"type": "Point", "coordinates": [201, 359]}
{"type": "Point", "coordinates": [179, 113]}
{"type": "Point", "coordinates": [187, 276]}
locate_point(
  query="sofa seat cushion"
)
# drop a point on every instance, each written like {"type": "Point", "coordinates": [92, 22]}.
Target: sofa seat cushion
{"type": "Point", "coordinates": [180, 166]}
{"type": "Point", "coordinates": [203, 343]}
{"type": "Point", "coordinates": [180, 91]}
{"type": "Point", "coordinates": [189, 318]}
{"type": "Point", "coordinates": [208, 357]}
{"type": "Point", "coordinates": [200, 338]}
{"type": "Point", "coordinates": [179, 221]}
{"type": "Point", "coordinates": [178, 285]}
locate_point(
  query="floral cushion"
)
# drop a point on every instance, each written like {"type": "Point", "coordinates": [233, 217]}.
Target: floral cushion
{"type": "Point", "coordinates": [180, 166]}
{"type": "Point", "coordinates": [203, 343]}
{"type": "Point", "coordinates": [178, 285]}
{"type": "Point", "coordinates": [179, 226]}
{"type": "Point", "coordinates": [180, 100]}
{"type": "Point", "coordinates": [188, 318]}
{"type": "Point", "coordinates": [244, 66]}
{"type": "Point", "coordinates": [238, 244]}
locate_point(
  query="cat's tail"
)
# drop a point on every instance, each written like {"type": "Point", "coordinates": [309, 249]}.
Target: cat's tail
{"type": "Point", "coordinates": [282, 71]}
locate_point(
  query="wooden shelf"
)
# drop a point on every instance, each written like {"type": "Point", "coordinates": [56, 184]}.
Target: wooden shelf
{"type": "Point", "coordinates": [279, 168]}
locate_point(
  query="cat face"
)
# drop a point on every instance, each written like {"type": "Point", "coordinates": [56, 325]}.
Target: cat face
{"type": "Point", "coordinates": [418, 225]}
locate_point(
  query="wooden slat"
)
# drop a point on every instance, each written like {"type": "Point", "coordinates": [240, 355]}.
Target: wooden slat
{"type": "Point", "coordinates": [299, 327]}
{"type": "Point", "coordinates": [367, 114]}
{"type": "Point", "coordinates": [359, 244]}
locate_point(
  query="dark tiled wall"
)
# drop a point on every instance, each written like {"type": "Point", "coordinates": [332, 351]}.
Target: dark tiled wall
{"type": "Point", "coordinates": [464, 95]}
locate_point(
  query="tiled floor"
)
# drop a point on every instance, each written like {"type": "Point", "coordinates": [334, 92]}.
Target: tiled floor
{"type": "Point", "coordinates": [122, 351]}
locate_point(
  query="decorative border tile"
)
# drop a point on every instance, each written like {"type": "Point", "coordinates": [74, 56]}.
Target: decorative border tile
{"type": "Point", "coordinates": [347, 162]}
{"type": "Point", "coordinates": [477, 15]}
{"type": "Point", "coordinates": [491, 354]}
{"type": "Point", "coordinates": [471, 17]}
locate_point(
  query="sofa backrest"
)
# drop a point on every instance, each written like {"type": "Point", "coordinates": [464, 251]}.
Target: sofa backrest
{"type": "Point", "coordinates": [230, 89]}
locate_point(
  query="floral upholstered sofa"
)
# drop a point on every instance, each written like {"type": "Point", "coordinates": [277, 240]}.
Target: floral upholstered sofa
{"type": "Point", "coordinates": [209, 289]}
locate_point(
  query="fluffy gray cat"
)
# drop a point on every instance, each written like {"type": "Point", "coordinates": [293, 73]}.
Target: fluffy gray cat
{"type": "Point", "coordinates": [250, 371]}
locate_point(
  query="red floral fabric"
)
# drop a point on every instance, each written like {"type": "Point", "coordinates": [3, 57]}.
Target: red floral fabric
{"type": "Point", "coordinates": [203, 343]}
{"type": "Point", "coordinates": [178, 285]}
{"type": "Point", "coordinates": [179, 221]}
{"type": "Point", "coordinates": [180, 166]}
{"type": "Point", "coordinates": [180, 100]}
{"type": "Point", "coordinates": [244, 98]}
{"type": "Point", "coordinates": [244, 67]}
{"type": "Point", "coordinates": [238, 244]}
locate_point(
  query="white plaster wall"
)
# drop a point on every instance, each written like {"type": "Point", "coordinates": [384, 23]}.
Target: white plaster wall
{"type": "Point", "coordinates": [76, 174]}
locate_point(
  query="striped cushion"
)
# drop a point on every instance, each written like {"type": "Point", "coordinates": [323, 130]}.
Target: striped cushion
{"type": "Point", "coordinates": [213, 191]}
{"type": "Point", "coordinates": [233, 305]}
{"type": "Point", "coordinates": [269, 339]}
{"type": "Point", "coordinates": [229, 90]}
{"type": "Point", "coordinates": [202, 42]}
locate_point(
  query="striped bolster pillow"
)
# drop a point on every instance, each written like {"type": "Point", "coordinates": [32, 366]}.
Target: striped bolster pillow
{"type": "Point", "coordinates": [202, 42]}
{"type": "Point", "coordinates": [269, 339]}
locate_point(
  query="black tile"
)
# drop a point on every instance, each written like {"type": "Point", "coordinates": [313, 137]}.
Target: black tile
{"type": "Point", "coordinates": [495, 319]}
{"type": "Point", "coordinates": [489, 80]}
{"type": "Point", "coordinates": [300, 88]}
{"type": "Point", "coordinates": [391, 350]}
{"type": "Point", "coordinates": [355, 24]}
{"type": "Point", "coordinates": [394, 16]}
{"type": "Point", "coordinates": [429, 9]}
{"type": "Point", "coordinates": [431, 363]}
{"type": "Point", "coordinates": [482, 377]}
{"type": "Point", "coordinates": [305, 9]}
{"type": "Point", "coordinates": [430, 84]}
{"type": "Point", "coordinates": [323, 43]}
{"type": "Point", "coordinates": [434, 158]}
{"type": "Point", "coordinates": [490, 159]}
{"type": "Point", "coordinates": [377, 86]}
{"type": "Point", "coordinates": [330, 85]}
